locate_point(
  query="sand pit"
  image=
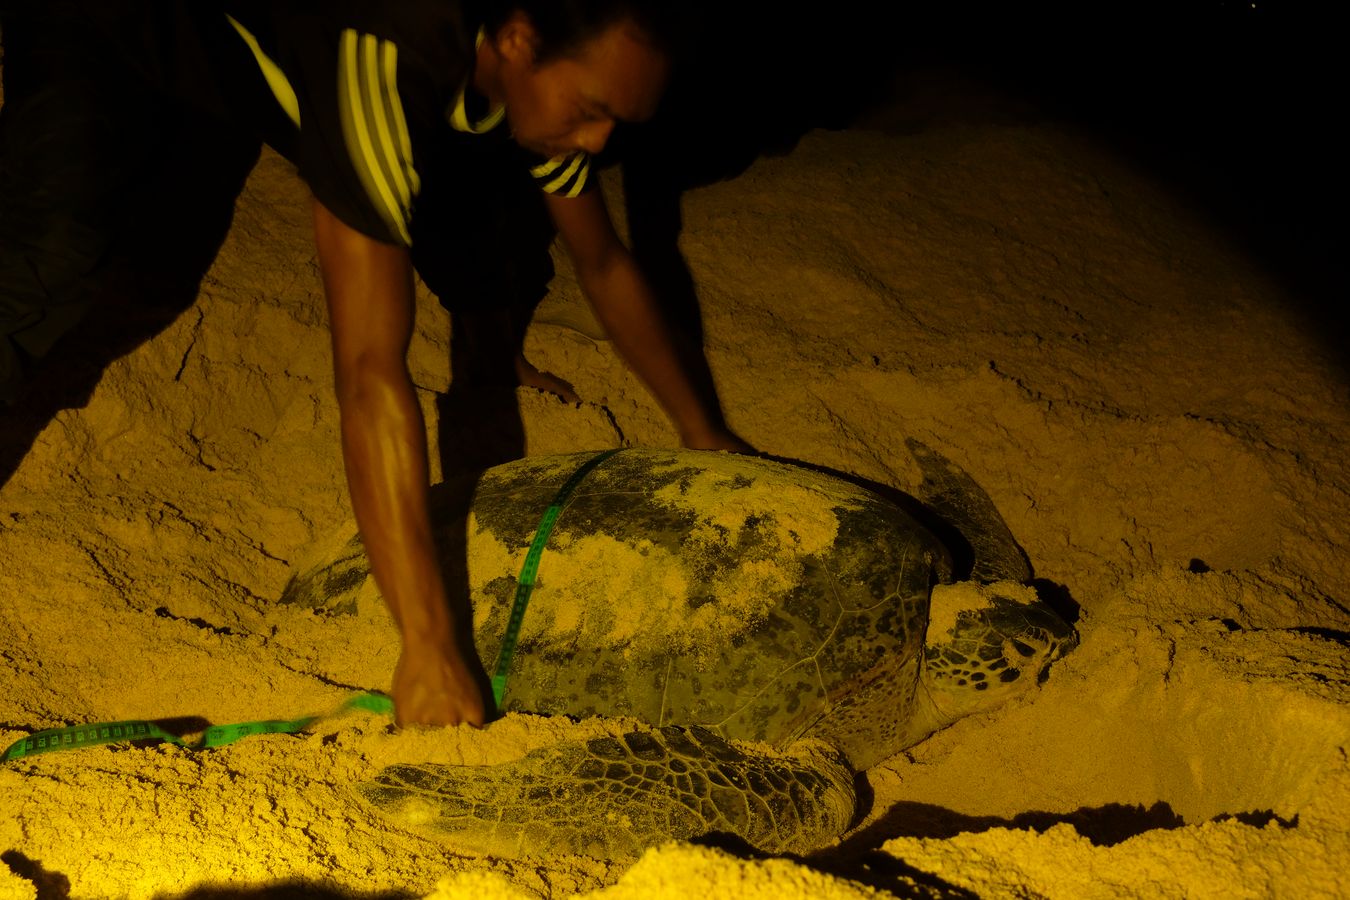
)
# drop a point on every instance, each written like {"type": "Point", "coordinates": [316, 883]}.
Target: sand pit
{"type": "Point", "coordinates": [1158, 426]}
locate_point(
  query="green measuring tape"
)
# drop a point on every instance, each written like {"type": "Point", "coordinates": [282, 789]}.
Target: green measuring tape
{"type": "Point", "coordinates": [78, 736]}
{"type": "Point", "coordinates": [528, 572]}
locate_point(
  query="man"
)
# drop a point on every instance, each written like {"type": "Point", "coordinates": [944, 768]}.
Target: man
{"type": "Point", "coordinates": [357, 94]}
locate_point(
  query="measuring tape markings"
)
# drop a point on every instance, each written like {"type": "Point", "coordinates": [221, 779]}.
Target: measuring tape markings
{"type": "Point", "coordinates": [530, 571]}
{"type": "Point", "coordinates": [77, 736]}
{"type": "Point", "coordinates": [84, 736]}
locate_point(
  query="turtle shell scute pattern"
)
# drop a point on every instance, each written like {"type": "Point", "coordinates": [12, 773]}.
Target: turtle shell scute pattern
{"type": "Point", "coordinates": [815, 663]}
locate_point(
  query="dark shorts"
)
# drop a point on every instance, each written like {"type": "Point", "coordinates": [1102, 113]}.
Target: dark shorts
{"type": "Point", "coordinates": [481, 242]}
{"type": "Point", "coordinates": [93, 158]}
{"type": "Point", "coordinates": [95, 164]}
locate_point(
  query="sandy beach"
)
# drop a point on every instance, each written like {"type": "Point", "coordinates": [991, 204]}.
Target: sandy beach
{"type": "Point", "coordinates": [1154, 414]}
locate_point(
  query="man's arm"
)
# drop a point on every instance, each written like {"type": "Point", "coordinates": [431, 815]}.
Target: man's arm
{"type": "Point", "coordinates": [369, 286]}
{"type": "Point", "coordinates": [628, 311]}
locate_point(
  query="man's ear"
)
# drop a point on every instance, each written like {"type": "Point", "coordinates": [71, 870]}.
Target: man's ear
{"type": "Point", "coordinates": [517, 40]}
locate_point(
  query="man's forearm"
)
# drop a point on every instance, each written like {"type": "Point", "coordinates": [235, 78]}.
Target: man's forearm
{"type": "Point", "coordinates": [628, 310]}
{"type": "Point", "coordinates": [384, 448]}
{"type": "Point", "coordinates": [371, 310]}
{"type": "Point", "coordinates": [626, 307]}
{"type": "Point", "coordinates": [384, 445]}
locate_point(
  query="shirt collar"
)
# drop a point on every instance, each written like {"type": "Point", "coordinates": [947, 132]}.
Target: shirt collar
{"type": "Point", "coordinates": [459, 114]}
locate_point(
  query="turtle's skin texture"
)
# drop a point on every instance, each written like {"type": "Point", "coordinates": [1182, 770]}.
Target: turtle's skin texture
{"type": "Point", "coordinates": [749, 601]}
{"type": "Point", "coordinates": [612, 797]}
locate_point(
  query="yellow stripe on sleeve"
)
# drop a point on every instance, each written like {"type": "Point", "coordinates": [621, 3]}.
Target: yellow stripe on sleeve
{"type": "Point", "coordinates": [361, 97]}
{"type": "Point", "coordinates": [381, 134]}
{"type": "Point", "coordinates": [400, 124]}
{"type": "Point", "coordinates": [272, 74]}
{"type": "Point", "coordinates": [577, 160]}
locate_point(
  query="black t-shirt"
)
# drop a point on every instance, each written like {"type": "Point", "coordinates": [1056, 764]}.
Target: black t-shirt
{"type": "Point", "coordinates": [355, 93]}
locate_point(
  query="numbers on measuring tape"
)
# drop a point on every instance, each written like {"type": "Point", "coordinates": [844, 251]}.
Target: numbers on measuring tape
{"type": "Point", "coordinates": [530, 571]}
{"type": "Point", "coordinates": [77, 736]}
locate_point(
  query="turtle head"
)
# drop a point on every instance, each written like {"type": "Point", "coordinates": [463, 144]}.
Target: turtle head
{"type": "Point", "coordinates": [986, 643]}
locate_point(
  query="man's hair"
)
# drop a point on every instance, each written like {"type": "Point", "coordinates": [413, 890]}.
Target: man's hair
{"type": "Point", "coordinates": [565, 25]}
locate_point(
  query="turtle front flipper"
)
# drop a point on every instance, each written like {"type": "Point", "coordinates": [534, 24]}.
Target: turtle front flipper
{"type": "Point", "coordinates": [986, 643]}
{"type": "Point", "coordinates": [611, 798]}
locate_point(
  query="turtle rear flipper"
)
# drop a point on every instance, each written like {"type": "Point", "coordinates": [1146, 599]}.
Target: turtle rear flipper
{"type": "Point", "coordinates": [987, 642]}
{"type": "Point", "coordinates": [611, 798]}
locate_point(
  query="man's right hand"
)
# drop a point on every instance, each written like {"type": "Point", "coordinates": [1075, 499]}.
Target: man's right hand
{"type": "Point", "coordinates": [437, 686]}
{"type": "Point", "coordinates": [371, 307]}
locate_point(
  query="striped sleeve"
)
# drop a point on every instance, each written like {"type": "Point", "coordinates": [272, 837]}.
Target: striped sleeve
{"type": "Point", "coordinates": [374, 128]}
{"type": "Point", "coordinates": [564, 176]}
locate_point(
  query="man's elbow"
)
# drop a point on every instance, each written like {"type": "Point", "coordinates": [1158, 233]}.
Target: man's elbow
{"type": "Point", "coordinates": [367, 382]}
{"type": "Point", "coordinates": [603, 265]}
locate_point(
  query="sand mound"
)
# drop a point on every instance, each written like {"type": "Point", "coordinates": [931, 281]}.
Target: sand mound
{"type": "Point", "coordinates": [1158, 427]}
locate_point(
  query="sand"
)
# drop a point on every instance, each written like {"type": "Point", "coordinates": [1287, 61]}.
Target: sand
{"type": "Point", "coordinates": [1158, 424]}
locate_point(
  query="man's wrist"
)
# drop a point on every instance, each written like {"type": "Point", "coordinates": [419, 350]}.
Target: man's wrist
{"type": "Point", "coordinates": [428, 624]}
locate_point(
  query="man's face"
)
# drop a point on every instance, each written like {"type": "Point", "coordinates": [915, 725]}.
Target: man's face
{"type": "Point", "coordinates": [572, 102]}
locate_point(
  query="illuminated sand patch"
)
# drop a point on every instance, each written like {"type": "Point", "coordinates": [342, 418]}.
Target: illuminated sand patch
{"type": "Point", "coordinates": [1126, 412]}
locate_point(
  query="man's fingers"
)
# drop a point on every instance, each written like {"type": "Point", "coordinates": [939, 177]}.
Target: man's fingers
{"type": "Point", "coordinates": [437, 687]}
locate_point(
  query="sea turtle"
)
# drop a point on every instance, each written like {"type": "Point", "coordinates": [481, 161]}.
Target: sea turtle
{"type": "Point", "coordinates": [766, 621]}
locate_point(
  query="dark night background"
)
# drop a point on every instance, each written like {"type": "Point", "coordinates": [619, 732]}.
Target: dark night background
{"type": "Point", "coordinates": [1234, 106]}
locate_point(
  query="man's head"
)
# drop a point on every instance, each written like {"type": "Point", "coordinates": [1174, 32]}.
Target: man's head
{"type": "Point", "coordinates": [568, 70]}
